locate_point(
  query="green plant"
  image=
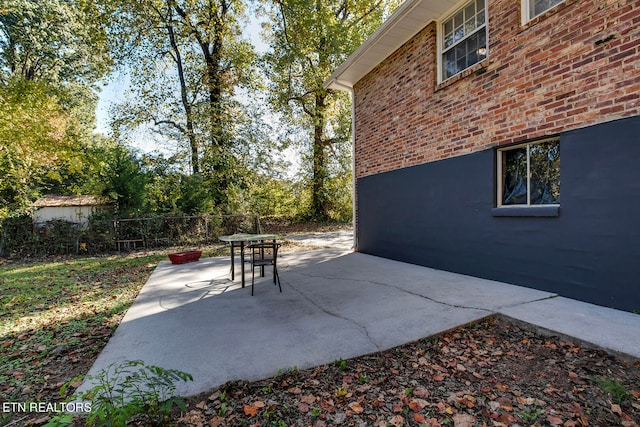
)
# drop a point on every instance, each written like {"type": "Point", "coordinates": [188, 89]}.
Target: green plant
{"type": "Point", "coordinates": [615, 389]}
{"type": "Point", "coordinates": [363, 378]}
{"type": "Point", "coordinates": [341, 364]}
{"type": "Point", "coordinates": [60, 421]}
{"type": "Point", "coordinates": [315, 412]}
{"type": "Point", "coordinates": [223, 409]}
{"type": "Point", "coordinates": [531, 415]}
{"type": "Point", "coordinates": [130, 389]}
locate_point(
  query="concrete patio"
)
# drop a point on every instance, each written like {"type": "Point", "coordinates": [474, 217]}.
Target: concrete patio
{"type": "Point", "coordinates": [335, 304]}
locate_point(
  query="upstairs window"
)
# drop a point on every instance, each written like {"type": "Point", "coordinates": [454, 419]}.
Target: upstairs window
{"type": "Point", "coordinates": [533, 8]}
{"type": "Point", "coordinates": [464, 38]}
{"type": "Point", "coordinates": [529, 174]}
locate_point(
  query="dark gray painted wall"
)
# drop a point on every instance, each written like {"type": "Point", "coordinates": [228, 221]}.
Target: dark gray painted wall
{"type": "Point", "coordinates": [440, 215]}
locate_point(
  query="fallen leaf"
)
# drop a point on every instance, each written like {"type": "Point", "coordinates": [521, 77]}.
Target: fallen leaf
{"type": "Point", "coordinates": [502, 387]}
{"type": "Point", "coordinates": [464, 420]}
{"type": "Point", "coordinates": [468, 401]}
{"type": "Point", "coordinates": [584, 421]}
{"type": "Point", "coordinates": [506, 419]}
{"type": "Point", "coordinates": [397, 421]}
{"type": "Point", "coordinates": [417, 405]}
{"type": "Point", "coordinates": [505, 404]}
{"type": "Point", "coordinates": [216, 421]}
{"type": "Point", "coordinates": [419, 418]}
{"type": "Point", "coordinates": [303, 407]}
{"type": "Point", "coordinates": [616, 409]}
{"type": "Point", "coordinates": [356, 407]}
{"type": "Point", "coordinates": [249, 410]}
{"type": "Point", "coordinates": [553, 420]}
{"type": "Point", "coordinates": [328, 405]}
{"type": "Point", "coordinates": [421, 392]}
{"type": "Point", "coordinates": [309, 398]}
{"type": "Point", "coordinates": [526, 401]}
{"type": "Point", "coordinates": [193, 417]}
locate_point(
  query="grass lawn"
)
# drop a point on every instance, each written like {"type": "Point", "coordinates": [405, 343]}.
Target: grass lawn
{"type": "Point", "coordinates": [56, 316]}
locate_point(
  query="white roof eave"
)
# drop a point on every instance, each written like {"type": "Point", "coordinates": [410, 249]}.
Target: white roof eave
{"type": "Point", "coordinates": [410, 18]}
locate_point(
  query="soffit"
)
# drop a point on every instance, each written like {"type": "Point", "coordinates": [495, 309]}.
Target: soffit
{"type": "Point", "coordinates": [411, 17]}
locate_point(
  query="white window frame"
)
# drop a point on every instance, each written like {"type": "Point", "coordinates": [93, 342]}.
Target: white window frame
{"type": "Point", "coordinates": [526, 10]}
{"type": "Point", "coordinates": [440, 36]}
{"type": "Point", "coordinates": [499, 176]}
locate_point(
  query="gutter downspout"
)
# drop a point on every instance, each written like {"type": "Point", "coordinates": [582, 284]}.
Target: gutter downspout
{"type": "Point", "coordinates": [349, 89]}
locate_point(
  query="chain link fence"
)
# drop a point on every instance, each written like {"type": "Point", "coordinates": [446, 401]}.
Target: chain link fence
{"type": "Point", "coordinates": [21, 237]}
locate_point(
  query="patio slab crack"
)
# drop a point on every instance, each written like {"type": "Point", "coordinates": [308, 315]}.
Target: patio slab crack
{"type": "Point", "coordinates": [336, 315]}
{"type": "Point", "coordinates": [398, 288]}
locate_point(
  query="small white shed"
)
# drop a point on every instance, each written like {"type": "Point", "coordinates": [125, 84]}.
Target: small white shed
{"type": "Point", "coordinates": [75, 209]}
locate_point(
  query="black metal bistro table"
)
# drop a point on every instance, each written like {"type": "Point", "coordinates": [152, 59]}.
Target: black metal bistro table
{"type": "Point", "coordinates": [240, 240]}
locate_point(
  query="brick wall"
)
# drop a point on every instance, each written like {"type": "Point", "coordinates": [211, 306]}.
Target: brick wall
{"type": "Point", "coordinates": [576, 65]}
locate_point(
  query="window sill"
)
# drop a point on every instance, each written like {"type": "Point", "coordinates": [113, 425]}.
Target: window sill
{"type": "Point", "coordinates": [530, 211]}
{"type": "Point", "coordinates": [478, 68]}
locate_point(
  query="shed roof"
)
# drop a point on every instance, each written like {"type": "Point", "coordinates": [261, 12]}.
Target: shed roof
{"type": "Point", "coordinates": [60, 201]}
{"type": "Point", "coordinates": [411, 17]}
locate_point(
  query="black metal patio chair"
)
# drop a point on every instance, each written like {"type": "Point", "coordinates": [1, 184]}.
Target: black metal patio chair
{"type": "Point", "coordinates": [264, 254]}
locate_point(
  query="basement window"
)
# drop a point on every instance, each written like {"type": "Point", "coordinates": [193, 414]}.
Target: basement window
{"type": "Point", "coordinates": [529, 176]}
{"type": "Point", "coordinates": [463, 39]}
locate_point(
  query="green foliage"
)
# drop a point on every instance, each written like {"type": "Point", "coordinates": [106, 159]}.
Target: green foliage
{"type": "Point", "coordinates": [615, 389]}
{"type": "Point", "coordinates": [531, 415]}
{"type": "Point", "coordinates": [60, 421]}
{"type": "Point", "coordinates": [34, 139]}
{"type": "Point", "coordinates": [117, 173]}
{"type": "Point", "coordinates": [52, 40]}
{"type": "Point", "coordinates": [309, 39]}
{"type": "Point", "coordinates": [133, 388]}
{"type": "Point", "coordinates": [341, 364]}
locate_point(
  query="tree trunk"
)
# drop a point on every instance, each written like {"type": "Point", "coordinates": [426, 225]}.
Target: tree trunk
{"type": "Point", "coordinates": [195, 160]}
{"type": "Point", "coordinates": [318, 197]}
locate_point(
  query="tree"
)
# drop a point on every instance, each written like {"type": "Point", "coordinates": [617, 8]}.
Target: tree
{"type": "Point", "coordinates": [58, 43]}
{"type": "Point", "coordinates": [33, 137]}
{"type": "Point", "coordinates": [309, 39]}
{"type": "Point", "coordinates": [51, 56]}
{"type": "Point", "coordinates": [185, 58]}
{"type": "Point", "coordinates": [117, 172]}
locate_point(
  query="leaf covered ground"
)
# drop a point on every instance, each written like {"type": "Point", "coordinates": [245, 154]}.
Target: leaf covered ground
{"type": "Point", "coordinates": [494, 373]}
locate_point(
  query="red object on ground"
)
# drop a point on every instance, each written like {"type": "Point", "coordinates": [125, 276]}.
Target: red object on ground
{"type": "Point", "coordinates": [184, 257]}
